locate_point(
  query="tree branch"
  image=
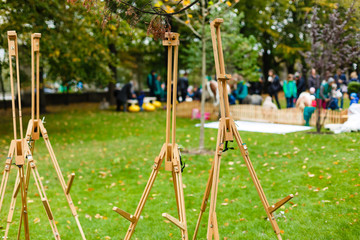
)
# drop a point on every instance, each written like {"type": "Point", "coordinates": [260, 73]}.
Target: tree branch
{"type": "Point", "coordinates": [188, 25]}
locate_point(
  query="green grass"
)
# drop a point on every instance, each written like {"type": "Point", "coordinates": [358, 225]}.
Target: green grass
{"type": "Point", "coordinates": [112, 155]}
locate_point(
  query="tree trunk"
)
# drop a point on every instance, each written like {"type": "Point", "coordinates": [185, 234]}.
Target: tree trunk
{"type": "Point", "coordinates": [110, 94]}
{"type": "Point", "coordinates": [318, 122]}
{"type": "Point", "coordinates": [67, 94]}
{"type": "Point", "coordinates": [41, 91]}
{"type": "Point", "coordinates": [138, 74]}
{"type": "Point", "coordinates": [2, 87]}
{"type": "Point", "coordinates": [266, 67]}
{"type": "Point", "coordinates": [111, 85]}
{"type": "Point", "coordinates": [203, 77]}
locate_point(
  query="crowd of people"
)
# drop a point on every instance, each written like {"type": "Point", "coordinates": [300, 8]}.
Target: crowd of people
{"type": "Point", "coordinates": [329, 92]}
{"type": "Point", "coordinates": [157, 88]}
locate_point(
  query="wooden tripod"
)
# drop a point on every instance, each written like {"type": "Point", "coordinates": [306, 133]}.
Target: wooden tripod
{"type": "Point", "coordinates": [21, 151]}
{"type": "Point", "coordinates": [36, 126]}
{"type": "Point", "coordinates": [23, 148]}
{"type": "Point", "coordinates": [169, 151]}
{"type": "Point", "coordinates": [227, 132]}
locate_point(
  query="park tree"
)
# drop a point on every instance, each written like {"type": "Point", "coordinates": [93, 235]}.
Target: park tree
{"type": "Point", "coordinates": [334, 44]}
{"type": "Point", "coordinates": [278, 27]}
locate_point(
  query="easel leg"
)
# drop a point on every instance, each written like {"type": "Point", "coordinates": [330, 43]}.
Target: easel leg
{"type": "Point", "coordinates": [205, 200]}
{"type": "Point", "coordinates": [179, 192]}
{"type": "Point", "coordinates": [256, 181]}
{"type": "Point", "coordinates": [12, 205]}
{"type": "Point", "coordinates": [27, 181]}
{"type": "Point", "coordinates": [24, 212]}
{"type": "Point", "coordinates": [174, 178]}
{"type": "Point", "coordinates": [141, 204]}
{"type": "Point", "coordinates": [61, 178]}
{"type": "Point", "coordinates": [145, 195]}
{"type": "Point", "coordinates": [43, 198]}
{"type": "Point", "coordinates": [212, 223]}
{"type": "Point", "coordinates": [6, 172]}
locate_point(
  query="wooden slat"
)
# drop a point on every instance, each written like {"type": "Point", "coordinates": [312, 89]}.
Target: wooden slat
{"type": "Point", "coordinates": [277, 205]}
{"type": "Point", "coordinates": [174, 221]}
{"type": "Point", "coordinates": [124, 214]}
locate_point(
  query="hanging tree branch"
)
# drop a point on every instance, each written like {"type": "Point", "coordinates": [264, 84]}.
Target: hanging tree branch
{"type": "Point", "coordinates": [132, 11]}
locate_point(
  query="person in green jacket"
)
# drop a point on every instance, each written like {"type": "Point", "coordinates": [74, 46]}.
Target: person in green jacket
{"type": "Point", "coordinates": [241, 90]}
{"type": "Point", "coordinates": [324, 92]}
{"type": "Point", "coordinates": [290, 91]}
{"type": "Point", "coordinates": [159, 91]}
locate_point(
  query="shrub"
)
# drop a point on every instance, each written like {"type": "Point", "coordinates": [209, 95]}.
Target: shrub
{"type": "Point", "coordinates": [354, 87]}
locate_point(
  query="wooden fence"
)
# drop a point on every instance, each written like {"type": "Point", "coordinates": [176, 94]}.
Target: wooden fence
{"type": "Point", "coordinates": [259, 114]}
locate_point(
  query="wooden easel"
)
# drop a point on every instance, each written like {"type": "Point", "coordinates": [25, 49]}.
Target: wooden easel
{"type": "Point", "coordinates": [36, 127]}
{"type": "Point", "coordinates": [226, 133]}
{"type": "Point", "coordinates": [23, 148]}
{"type": "Point", "coordinates": [169, 151]}
{"type": "Point", "coordinates": [22, 153]}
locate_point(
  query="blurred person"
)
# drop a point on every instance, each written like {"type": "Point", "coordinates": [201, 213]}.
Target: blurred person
{"type": "Point", "coordinates": [313, 79]}
{"type": "Point", "coordinates": [268, 104]}
{"type": "Point", "coordinates": [300, 84]}
{"type": "Point", "coordinates": [183, 84]}
{"type": "Point", "coordinates": [274, 86]}
{"type": "Point", "coordinates": [123, 95]}
{"type": "Point", "coordinates": [341, 82]}
{"type": "Point", "coordinates": [353, 98]}
{"type": "Point", "coordinates": [159, 91]}
{"type": "Point", "coordinates": [353, 77]}
{"type": "Point", "coordinates": [241, 91]}
{"type": "Point", "coordinates": [306, 99]}
{"type": "Point", "coordinates": [195, 93]}
{"type": "Point", "coordinates": [290, 91]}
{"type": "Point", "coordinates": [340, 78]}
{"type": "Point", "coordinates": [324, 92]}
{"type": "Point", "coordinates": [335, 95]}
{"type": "Point", "coordinates": [151, 82]}
{"type": "Point", "coordinates": [256, 86]}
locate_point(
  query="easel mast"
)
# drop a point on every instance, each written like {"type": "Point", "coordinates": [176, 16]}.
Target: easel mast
{"type": "Point", "coordinates": [17, 146]}
{"type": "Point", "coordinates": [36, 126]}
{"type": "Point", "coordinates": [169, 151]}
{"type": "Point", "coordinates": [227, 132]}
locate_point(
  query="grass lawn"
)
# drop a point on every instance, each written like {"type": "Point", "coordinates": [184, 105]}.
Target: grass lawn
{"type": "Point", "coordinates": [112, 155]}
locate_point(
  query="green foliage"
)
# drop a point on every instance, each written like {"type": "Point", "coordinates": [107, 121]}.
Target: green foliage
{"type": "Point", "coordinates": [70, 46]}
{"type": "Point", "coordinates": [74, 46]}
{"type": "Point", "coordinates": [354, 87]}
{"type": "Point", "coordinates": [240, 52]}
